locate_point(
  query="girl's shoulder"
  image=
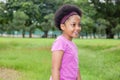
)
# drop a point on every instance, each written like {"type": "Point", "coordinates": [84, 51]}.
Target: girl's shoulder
{"type": "Point", "coordinates": [60, 40]}
{"type": "Point", "coordinates": [59, 44]}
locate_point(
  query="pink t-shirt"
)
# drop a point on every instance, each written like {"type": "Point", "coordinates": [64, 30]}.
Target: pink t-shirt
{"type": "Point", "coordinates": [69, 65]}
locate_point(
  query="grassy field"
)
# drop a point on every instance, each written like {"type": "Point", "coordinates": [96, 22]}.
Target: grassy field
{"type": "Point", "coordinates": [99, 58]}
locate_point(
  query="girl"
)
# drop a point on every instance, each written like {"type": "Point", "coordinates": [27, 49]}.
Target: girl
{"type": "Point", "coordinates": [64, 51]}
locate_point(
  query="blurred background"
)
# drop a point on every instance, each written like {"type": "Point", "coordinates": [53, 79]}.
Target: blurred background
{"type": "Point", "coordinates": [27, 33]}
{"type": "Point", "coordinates": [35, 18]}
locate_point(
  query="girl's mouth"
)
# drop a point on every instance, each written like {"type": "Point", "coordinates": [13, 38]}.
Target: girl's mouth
{"type": "Point", "coordinates": [76, 33]}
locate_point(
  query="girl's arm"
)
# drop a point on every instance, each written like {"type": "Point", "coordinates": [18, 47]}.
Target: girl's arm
{"type": "Point", "coordinates": [56, 63]}
{"type": "Point", "coordinates": [79, 76]}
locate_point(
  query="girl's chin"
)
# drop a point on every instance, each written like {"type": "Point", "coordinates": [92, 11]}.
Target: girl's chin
{"type": "Point", "coordinates": [75, 36]}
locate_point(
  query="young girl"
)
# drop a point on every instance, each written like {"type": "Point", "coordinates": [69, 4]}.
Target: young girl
{"type": "Point", "coordinates": [64, 51]}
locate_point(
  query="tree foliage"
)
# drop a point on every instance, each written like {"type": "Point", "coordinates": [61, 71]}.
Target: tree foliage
{"type": "Point", "coordinates": [99, 18]}
{"type": "Point", "coordinates": [108, 10]}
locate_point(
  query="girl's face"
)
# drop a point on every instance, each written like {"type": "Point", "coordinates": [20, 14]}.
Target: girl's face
{"type": "Point", "coordinates": [72, 27]}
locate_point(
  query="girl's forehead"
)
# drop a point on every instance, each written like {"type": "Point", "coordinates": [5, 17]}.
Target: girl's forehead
{"type": "Point", "coordinates": [74, 18]}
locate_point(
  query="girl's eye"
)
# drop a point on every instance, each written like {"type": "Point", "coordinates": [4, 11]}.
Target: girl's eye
{"type": "Point", "coordinates": [73, 25]}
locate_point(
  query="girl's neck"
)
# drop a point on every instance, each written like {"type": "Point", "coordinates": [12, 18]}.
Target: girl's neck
{"type": "Point", "coordinates": [67, 37]}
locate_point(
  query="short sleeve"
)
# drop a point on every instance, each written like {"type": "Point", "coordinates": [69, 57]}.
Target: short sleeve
{"type": "Point", "coordinates": [58, 45]}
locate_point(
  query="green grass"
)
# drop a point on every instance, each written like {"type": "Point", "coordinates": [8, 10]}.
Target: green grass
{"type": "Point", "coordinates": [99, 58]}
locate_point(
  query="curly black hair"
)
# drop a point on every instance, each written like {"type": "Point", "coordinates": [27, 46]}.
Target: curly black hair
{"type": "Point", "coordinates": [63, 11]}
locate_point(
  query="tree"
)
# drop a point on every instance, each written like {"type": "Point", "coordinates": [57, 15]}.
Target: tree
{"type": "Point", "coordinates": [108, 10]}
{"type": "Point", "coordinates": [32, 11]}
{"type": "Point", "coordinates": [3, 17]}
{"type": "Point", "coordinates": [117, 30]}
{"type": "Point", "coordinates": [87, 26]}
{"type": "Point", "coordinates": [46, 26]}
{"type": "Point", "coordinates": [18, 22]}
{"type": "Point", "coordinates": [101, 25]}
{"type": "Point", "coordinates": [28, 7]}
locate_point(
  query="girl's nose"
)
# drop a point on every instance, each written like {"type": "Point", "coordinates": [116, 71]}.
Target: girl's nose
{"type": "Point", "coordinates": [78, 28]}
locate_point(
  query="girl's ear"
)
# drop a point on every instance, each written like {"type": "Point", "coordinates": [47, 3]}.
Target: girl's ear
{"type": "Point", "coordinates": [62, 26]}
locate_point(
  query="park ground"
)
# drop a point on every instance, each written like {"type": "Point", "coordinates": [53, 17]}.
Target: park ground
{"type": "Point", "coordinates": [30, 59]}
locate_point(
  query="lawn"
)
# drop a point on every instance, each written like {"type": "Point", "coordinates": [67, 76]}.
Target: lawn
{"type": "Point", "coordinates": [99, 58]}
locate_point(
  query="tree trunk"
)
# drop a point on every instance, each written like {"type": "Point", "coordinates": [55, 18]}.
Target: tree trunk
{"type": "Point", "coordinates": [13, 34]}
{"type": "Point", "coordinates": [94, 32]}
{"type": "Point", "coordinates": [109, 33]}
{"type": "Point", "coordinates": [118, 36]}
{"type": "Point", "coordinates": [94, 36]}
{"type": "Point", "coordinates": [81, 36]}
{"type": "Point", "coordinates": [86, 35]}
{"type": "Point", "coordinates": [30, 33]}
{"type": "Point", "coordinates": [23, 33]}
{"type": "Point", "coordinates": [45, 34]}
{"type": "Point", "coordinates": [91, 35]}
